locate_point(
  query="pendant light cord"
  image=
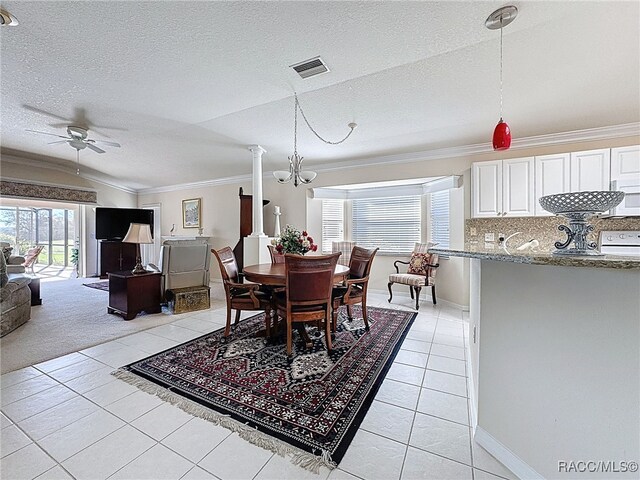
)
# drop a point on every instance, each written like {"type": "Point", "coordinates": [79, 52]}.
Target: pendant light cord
{"type": "Point", "coordinates": [78, 161]}
{"type": "Point", "coordinates": [295, 126]}
{"type": "Point", "coordinates": [352, 126]}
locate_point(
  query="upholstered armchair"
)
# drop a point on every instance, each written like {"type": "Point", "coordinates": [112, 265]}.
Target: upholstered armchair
{"type": "Point", "coordinates": [14, 263]}
{"type": "Point", "coordinates": [184, 263]}
{"type": "Point", "coordinates": [15, 299]}
{"type": "Point", "coordinates": [421, 272]}
{"type": "Point", "coordinates": [345, 249]}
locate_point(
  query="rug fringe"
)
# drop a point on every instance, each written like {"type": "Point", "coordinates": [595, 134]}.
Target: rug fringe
{"type": "Point", "coordinates": [306, 460]}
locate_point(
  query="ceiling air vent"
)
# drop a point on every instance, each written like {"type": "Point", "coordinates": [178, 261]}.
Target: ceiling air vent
{"type": "Point", "coordinates": [310, 68]}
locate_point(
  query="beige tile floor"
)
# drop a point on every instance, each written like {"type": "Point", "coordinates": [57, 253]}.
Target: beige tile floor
{"type": "Point", "coordinates": [69, 418]}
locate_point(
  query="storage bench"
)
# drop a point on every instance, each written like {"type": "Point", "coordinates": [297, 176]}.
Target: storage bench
{"type": "Point", "coordinates": [188, 299]}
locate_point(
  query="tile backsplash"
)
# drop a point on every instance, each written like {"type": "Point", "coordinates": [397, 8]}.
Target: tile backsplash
{"type": "Point", "coordinates": [543, 229]}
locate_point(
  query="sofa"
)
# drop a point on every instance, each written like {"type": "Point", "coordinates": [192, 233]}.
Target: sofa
{"type": "Point", "coordinates": [14, 263]}
{"type": "Point", "coordinates": [15, 299]}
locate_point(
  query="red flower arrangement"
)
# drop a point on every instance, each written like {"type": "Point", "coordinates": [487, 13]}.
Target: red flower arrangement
{"type": "Point", "coordinates": [293, 241]}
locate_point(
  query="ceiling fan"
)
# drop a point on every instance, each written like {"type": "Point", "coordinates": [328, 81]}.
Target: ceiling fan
{"type": "Point", "coordinates": [77, 137]}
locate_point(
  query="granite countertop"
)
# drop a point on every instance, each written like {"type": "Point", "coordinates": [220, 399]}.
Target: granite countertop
{"type": "Point", "coordinates": [499, 254]}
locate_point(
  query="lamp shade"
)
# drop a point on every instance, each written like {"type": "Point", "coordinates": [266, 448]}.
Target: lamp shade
{"type": "Point", "coordinates": [138, 233]}
{"type": "Point", "coordinates": [501, 136]}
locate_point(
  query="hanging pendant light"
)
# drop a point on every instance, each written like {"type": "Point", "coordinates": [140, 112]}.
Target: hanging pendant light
{"type": "Point", "coordinates": [295, 171]}
{"type": "Point", "coordinates": [500, 19]}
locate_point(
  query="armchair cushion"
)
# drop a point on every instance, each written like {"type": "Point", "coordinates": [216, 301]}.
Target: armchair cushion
{"type": "Point", "coordinates": [411, 279]}
{"type": "Point", "coordinates": [419, 263]}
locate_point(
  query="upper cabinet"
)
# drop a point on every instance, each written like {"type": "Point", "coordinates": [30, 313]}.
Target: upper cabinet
{"type": "Point", "coordinates": [503, 188]}
{"type": "Point", "coordinates": [551, 177]}
{"type": "Point", "coordinates": [625, 164]}
{"type": "Point", "coordinates": [590, 170]}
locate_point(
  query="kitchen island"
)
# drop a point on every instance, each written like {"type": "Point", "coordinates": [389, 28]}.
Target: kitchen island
{"type": "Point", "coordinates": [555, 361]}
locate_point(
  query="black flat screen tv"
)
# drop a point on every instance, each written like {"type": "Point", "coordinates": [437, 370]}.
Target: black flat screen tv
{"type": "Point", "coordinates": [113, 223]}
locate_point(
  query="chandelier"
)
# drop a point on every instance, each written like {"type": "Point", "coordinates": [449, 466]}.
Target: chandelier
{"type": "Point", "coordinates": [499, 19]}
{"type": "Point", "coordinates": [295, 172]}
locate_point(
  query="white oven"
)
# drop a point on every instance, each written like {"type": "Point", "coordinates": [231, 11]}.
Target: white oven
{"type": "Point", "coordinates": [631, 203]}
{"type": "Point", "coordinates": [620, 243]}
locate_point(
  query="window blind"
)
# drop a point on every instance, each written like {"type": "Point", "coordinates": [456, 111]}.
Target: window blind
{"type": "Point", "coordinates": [332, 223]}
{"type": "Point", "coordinates": [391, 223]}
{"type": "Point", "coordinates": [439, 216]}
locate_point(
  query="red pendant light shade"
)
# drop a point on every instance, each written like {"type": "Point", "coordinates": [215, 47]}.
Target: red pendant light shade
{"type": "Point", "coordinates": [498, 20]}
{"type": "Point", "coordinates": [501, 136]}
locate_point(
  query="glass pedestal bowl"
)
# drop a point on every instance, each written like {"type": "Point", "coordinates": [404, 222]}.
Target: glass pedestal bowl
{"type": "Point", "coordinates": [578, 207]}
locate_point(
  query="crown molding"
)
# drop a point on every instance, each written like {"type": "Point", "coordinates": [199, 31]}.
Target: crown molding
{"type": "Point", "coordinates": [203, 184]}
{"type": "Point", "coordinates": [574, 136]}
{"type": "Point", "coordinates": [61, 168]}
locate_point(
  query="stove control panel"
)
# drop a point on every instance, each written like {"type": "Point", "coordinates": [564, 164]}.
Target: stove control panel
{"type": "Point", "coordinates": [630, 237]}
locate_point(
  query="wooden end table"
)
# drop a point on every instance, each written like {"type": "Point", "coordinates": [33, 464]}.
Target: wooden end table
{"type": "Point", "coordinates": [131, 294]}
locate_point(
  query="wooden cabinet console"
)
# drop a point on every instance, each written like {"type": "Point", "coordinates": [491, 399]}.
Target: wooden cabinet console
{"type": "Point", "coordinates": [131, 294]}
{"type": "Point", "coordinates": [116, 256]}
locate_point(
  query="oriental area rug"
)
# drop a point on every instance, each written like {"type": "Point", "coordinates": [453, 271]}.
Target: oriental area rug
{"type": "Point", "coordinates": [308, 408]}
{"type": "Point", "coordinates": [98, 285]}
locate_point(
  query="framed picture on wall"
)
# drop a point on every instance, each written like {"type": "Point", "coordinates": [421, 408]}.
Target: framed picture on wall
{"type": "Point", "coordinates": [192, 213]}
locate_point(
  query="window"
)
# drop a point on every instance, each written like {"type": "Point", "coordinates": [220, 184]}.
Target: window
{"type": "Point", "coordinates": [391, 223]}
{"type": "Point", "coordinates": [439, 218]}
{"type": "Point", "coordinates": [332, 223]}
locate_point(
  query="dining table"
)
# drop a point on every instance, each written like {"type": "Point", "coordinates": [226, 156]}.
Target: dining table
{"type": "Point", "coordinates": [274, 275]}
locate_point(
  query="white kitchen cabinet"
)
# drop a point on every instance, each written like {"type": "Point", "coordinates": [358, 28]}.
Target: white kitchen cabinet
{"type": "Point", "coordinates": [590, 170]}
{"type": "Point", "coordinates": [518, 194]}
{"type": "Point", "coordinates": [503, 188]}
{"type": "Point", "coordinates": [625, 177]}
{"type": "Point", "coordinates": [625, 164]}
{"type": "Point", "coordinates": [487, 189]}
{"type": "Point", "coordinates": [552, 175]}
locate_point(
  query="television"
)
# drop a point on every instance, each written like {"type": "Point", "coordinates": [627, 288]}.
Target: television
{"type": "Point", "coordinates": [113, 223]}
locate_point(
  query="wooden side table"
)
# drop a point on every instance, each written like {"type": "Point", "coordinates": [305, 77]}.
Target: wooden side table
{"type": "Point", "coordinates": [131, 294]}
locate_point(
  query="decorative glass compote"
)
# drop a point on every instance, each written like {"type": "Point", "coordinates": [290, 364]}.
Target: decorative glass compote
{"type": "Point", "coordinates": [578, 207]}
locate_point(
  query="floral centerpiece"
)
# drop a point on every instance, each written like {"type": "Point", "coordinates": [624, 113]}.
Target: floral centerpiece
{"type": "Point", "coordinates": [291, 240]}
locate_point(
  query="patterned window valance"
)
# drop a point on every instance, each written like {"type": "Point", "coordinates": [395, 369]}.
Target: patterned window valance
{"type": "Point", "coordinates": [10, 188]}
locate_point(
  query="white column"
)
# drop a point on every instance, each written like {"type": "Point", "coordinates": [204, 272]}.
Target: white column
{"type": "Point", "coordinates": [257, 220]}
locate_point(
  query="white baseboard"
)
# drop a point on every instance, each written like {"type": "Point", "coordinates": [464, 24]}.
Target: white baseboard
{"type": "Point", "coordinates": [427, 297]}
{"type": "Point", "coordinates": [519, 467]}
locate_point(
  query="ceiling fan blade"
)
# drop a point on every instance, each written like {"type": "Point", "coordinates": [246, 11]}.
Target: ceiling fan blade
{"type": "Point", "coordinates": [104, 142]}
{"type": "Point", "coordinates": [44, 112]}
{"type": "Point", "coordinates": [46, 133]}
{"type": "Point", "coordinates": [57, 142]}
{"type": "Point", "coordinates": [94, 148]}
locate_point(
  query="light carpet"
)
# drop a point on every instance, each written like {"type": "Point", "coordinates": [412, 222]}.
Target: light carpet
{"type": "Point", "coordinates": [72, 318]}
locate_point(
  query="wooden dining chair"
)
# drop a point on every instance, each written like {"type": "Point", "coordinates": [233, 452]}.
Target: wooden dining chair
{"type": "Point", "coordinates": [354, 290]}
{"type": "Point", "coordinates": [240, 296]}
{"type": "Point", "coordinates": [276, 257]}
{"type": "Point", "coordinates": [307, 296]}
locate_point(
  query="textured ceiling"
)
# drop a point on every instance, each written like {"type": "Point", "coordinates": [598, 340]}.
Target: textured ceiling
{"type": "Point", "coordinates": [186, 86]}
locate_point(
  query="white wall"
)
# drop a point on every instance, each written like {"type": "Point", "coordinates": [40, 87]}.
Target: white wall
{"type": "Point", "coordinates": [221, 206]}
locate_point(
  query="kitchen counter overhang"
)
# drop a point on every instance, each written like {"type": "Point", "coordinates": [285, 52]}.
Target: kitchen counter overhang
{"type": "Point", "coordinates": [500, 254]}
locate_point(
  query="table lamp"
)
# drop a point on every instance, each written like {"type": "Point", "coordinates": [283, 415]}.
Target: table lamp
{"type": "Point", "coordinates": [138, 233]}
